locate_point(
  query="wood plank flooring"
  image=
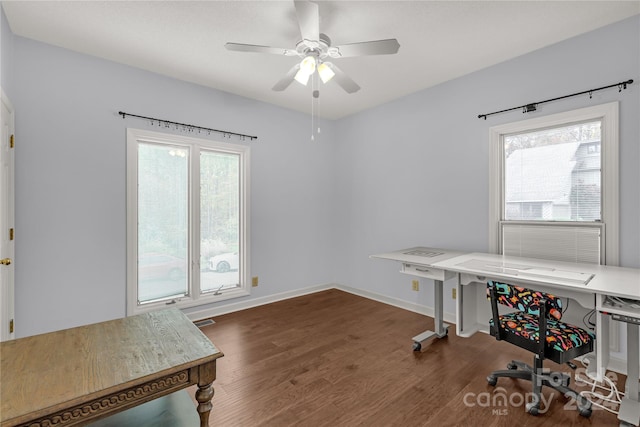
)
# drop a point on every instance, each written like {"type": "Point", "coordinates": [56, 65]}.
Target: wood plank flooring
{"type": "Point", "coordinates": [337, 359]}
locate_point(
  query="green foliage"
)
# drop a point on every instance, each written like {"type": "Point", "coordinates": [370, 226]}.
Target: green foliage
{"type": "Point", "coordinates": [220, 198]}
{"type": "Point", "coordinates": [579, 132]}
{"type": "Point", "coordinates": [163, 200]}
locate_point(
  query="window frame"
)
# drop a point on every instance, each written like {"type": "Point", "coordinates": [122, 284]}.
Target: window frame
{"type": "Point", "coordinates": [608, 114]}
{"type": "Point", "coordinates": [194, 296]}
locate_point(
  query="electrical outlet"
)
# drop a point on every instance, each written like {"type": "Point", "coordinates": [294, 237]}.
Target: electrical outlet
{"type": "Point", "coordinates": [454, 293]}
{"type": "Point", "coordinates": [254, 281]}
{"type": "Point", "coordinates": [415, 285]}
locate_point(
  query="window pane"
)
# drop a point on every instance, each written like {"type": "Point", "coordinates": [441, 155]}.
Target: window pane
{"type": "Point", "coordinates": [553, 174]}
{"type": "Point", "coordinates": [219, 220]}
{"type": "Point", "coordinates": [162, 222]}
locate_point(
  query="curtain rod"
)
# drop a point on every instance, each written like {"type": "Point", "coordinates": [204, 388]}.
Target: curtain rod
{"type": "Point", "coordinates": [527, 108]}
{"type": "Point", "coordinates": [188, 126]}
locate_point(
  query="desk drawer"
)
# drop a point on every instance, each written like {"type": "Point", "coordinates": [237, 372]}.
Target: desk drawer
{"type": "Point", "coordinates": [424, 271]}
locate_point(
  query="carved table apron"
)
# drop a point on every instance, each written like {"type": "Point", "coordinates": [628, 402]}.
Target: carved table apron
{"type": "Point", "coordinates": [78, 375]}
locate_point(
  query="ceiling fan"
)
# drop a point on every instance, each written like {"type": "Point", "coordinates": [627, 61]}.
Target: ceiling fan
{"type": "Point", "coordinates": [316, 51]}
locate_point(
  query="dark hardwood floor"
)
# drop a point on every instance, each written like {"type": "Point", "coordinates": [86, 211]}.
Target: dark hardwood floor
{"type": "Point", "coordinates": [337, 359]}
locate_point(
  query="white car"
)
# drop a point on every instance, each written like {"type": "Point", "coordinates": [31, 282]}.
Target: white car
{"type": "Point", "coordinates": [224, 262]}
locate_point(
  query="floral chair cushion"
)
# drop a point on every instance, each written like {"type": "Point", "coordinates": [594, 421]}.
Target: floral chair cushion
{"type": "Point", "coordinates": [525, 300]}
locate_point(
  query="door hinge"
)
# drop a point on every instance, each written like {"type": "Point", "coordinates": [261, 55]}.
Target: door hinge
{"type": "Point", "coordinates": [11, 326]}
{"type": "Point", "coordinates": [11, 234]}
{"type": "Point", "coordinates": [11, 141]}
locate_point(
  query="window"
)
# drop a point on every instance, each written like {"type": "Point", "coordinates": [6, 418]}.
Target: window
{"type": "Point", "coordinates": [187, 217]}
{"type": "Point", "coordinates": [552, 174]}
{"type": "Point", "coordinates": [554, 182]}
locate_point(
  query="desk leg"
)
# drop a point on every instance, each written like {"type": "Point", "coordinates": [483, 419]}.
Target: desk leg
{"type": "Point", "coordinates": [630, 405]}
{"type": "Point", "coordinates": [204, 394]}
{"type": "Point", "coordinates": [597, 367]}
{"type": "Point", "coordinates": [439, 325]}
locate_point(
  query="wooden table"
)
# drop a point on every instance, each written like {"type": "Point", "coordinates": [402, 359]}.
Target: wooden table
{"type": "Point", "coordinates": [77, 375]}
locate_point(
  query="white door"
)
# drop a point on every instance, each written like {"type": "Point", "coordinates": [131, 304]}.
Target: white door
{"type": "Point", "coordinates": [7, 242]}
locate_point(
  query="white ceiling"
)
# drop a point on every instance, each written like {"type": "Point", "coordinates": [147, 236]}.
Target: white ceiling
{"type": "Point", "coordinates": [439, 40]}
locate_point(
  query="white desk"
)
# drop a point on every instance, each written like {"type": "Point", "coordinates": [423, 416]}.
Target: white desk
{"type": "Point", "coordinates": [420, 261]}
{"type": "Point", "coordinates": [587, 284]}
{"type": "Point", "coordinates": [590, 285]}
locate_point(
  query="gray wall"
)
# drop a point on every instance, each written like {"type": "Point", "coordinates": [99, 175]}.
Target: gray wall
{"type": "Point", "coordinates": [415, 171]}
{"type": "Point", "coordinates": [411, 172]}
{"type": "Point", "coordinates": [70, 183]}
{"type": "Point", "coordinates": [6, 53]}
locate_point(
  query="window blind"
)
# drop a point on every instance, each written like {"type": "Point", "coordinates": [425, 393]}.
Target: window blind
{"type": "Point", "coordinates": [553, 242]}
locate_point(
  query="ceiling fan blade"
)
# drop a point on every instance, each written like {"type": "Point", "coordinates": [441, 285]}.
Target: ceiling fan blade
{"type": "Point", "coordinates": [343, 80]}
{"type": "Point", "coordinates": [308, 20]}
{"type": "Point", "coordinates": [240, 47]}
{"type": "Point", "coordinates": [378, 47]}
{"type": "Point", "coordinates": [287, 79]}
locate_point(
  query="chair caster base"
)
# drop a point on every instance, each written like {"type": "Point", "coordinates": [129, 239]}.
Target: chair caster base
{"type": "Point", "coordinates": [585, 410]}
{"type": "Point", "coordinates": [492, 380]}
{"type": "Point", "coordinates": [532, 408]}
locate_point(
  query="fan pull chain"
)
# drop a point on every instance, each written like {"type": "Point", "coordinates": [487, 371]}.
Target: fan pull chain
{"type": "Point", "coordinates": [315, 93]}
{"type": "Point", "coordinates": [316, 100]}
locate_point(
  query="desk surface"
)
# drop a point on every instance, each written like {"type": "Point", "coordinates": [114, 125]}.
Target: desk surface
{"type": "Point", "coordinates": [101, 368]}
{"type": "Point", "coordinates": [592, 278]}
{"type": "Point", "coordinates": [420, 255]}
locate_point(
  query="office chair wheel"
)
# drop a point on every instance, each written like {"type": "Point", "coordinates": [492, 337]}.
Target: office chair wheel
{"type": "Point", "coordinates": [417, 346]}
{"type": "Point", "coordinates": [532, 408]}
{"type": "Point", "coordinates": [492, 380]}
{"type": "Point", "coordinates": [585, 410]}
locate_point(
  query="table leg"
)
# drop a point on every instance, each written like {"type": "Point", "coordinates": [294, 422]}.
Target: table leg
{"type": "Point", "coordinates": [204, 394]}
{"type": "Point", "coordinates": [439, 326]}
{"type": "Point", "coordinates": [630, 406]}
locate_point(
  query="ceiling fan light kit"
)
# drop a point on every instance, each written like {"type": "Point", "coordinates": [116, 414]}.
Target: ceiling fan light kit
{"type": "Point", "coordinates": [314, 48]}
{"type": "Point", "coordinates": [306, 69]}
{"type": "Point", "coordinates": [325, 72]}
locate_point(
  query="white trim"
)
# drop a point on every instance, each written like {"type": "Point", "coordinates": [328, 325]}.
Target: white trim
{"type": "Point", "coordinates": [7, 291]}
{"type": "Point", "coordinates": [495, 188]}
{"type": "Point", "coordinates": [6, 101]}
{"type": "Point", "coordinates": [610, 176]}
{"type": "Point", "coordinates": [132, 220]}
{"type": "Point", "coordinates": [610, 182]}
{"type": "Point", "coordinates": [194, 146]}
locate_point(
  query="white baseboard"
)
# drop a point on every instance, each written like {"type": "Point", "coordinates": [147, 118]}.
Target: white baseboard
{"type": "Point", "coordinates": [208, 312]}
{"type": "Point", "coordinates": [617, 365]}
{"type": "Point", "coordinates": [410, 306]}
